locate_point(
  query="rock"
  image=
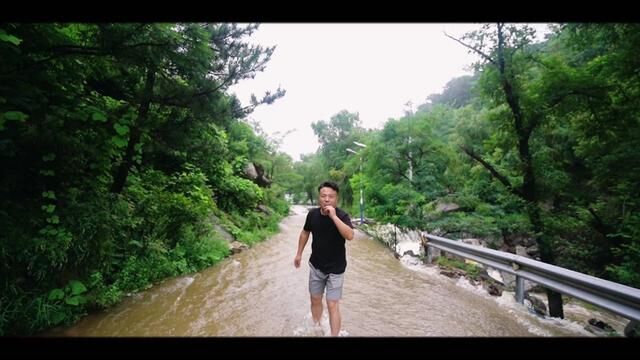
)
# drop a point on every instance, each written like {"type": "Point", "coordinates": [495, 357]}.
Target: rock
{"type": "Point", "coordinates": [513, 240]}
{"type": "Point", "coordinates": [494, 275]}
{"type": "Point", "coordinates": [475, 242]}
{"type": "Point", "coordinates": [223, 233]}
{"type": "Point", "coordinates": [264, 209]}
{"type": "Point", "coordinates": [237, 247]}
{"type": "Point", "coordinates": [410, 253]}
{"type": "Point", "coordinates": [601, 325]}
{"type": "Point", "coordinates": [600, 328]}
{"type": "Point", "coordinates": [533, 251]}
{"type": "Point", "coordinates": [493, 290]}
{"type": "Point", "coordinates": [508, 280]}
{"type": "Point", "coordinates": [507, 248]}
{"type": "Point", "coordinates": [447, 207]}
{"type": "Point", "coordinates": [262, 179]}
{"type": "Point", "coordinates": [521, 251]}
{"type": "Point", "coordinates": [250, 171]}
{"type": "Point", "coordinates": [535, 305]}
{"type": "Point", "coordinates": [450, 273]}
{"type": "Point", "coordinates": [632, 329]}
{"type": "Point", "coordinates": [255, 173]}
{"type": "Point", "coordinates": [220, 230]}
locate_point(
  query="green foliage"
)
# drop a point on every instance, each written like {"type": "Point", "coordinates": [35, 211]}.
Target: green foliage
{"type": "Point", "coordinates": [238, 194]}
{"type": "Point", "coordinates": [253, 227]}
{"type": "Point", "coordinates": [274, 196]}
{"type": "Point", "coordinates": [335, 137]}
{"type": "Point", "coordinates": [542, 148]}
{"type": "Point", "coordinates": [118, 142]}
{"type": "Point", "coordinates": [456, 93]}
{"type": "Point", "coordinates": [71, 294]}
{"type": "Point", "coordinates": [628, 270]}
{"type": "Point", "coordinates": [9, 38]}
{"type": "Point", "coordinates": [201, 251]}
{"type": "Point", "coordinates": [12, 116]}
{"type": "Point", "coordinates": [102, 296]}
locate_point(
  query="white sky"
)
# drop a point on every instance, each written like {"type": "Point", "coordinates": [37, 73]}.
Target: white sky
{"type": "Point", "coordinates": [372, 69]}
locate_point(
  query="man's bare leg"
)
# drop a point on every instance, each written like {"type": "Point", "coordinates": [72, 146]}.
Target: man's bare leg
{"type": "Point", "coordinates": [334, 316]}
{"type": "Point", "coordinates": [316, 308]}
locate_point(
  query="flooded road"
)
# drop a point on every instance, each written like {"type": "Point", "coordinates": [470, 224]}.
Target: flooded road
{"type": "Point", "coordinates": [259, 293]}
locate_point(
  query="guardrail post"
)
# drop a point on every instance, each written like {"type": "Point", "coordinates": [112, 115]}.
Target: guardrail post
{"type": "Point", "coordinates": [520, 289]}
{"type": "Point", "coordinates": [427, 249]}
{"type": "Point", "coordinates": [395, 240]}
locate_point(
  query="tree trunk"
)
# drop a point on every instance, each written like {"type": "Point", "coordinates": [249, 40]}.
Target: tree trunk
{"type": "Point", "coordinates": [524, 129]}
{"type": "Point", "coordinates": [546, 255]}
{"type": "Point", "coordinates": [134, 135]}
{"type": "Point", "coordinates": [310, 195]}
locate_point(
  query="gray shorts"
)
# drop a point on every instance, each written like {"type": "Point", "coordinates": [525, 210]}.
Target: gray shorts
{"type": "Point", "coordinates": [318, 280]}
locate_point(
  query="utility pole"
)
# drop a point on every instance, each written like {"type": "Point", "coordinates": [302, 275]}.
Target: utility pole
{"type": "Point", "coordinates": [409, 114]}
{"type": "Point", "coordinates": [361, 184]}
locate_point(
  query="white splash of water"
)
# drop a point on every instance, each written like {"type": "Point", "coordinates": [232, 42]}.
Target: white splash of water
{"type": "Point", "coordinates": [309, 328]}
{"type": "Point", "coordinates": [508, 302]}
{"type": "Point", "coordinates": [408, 245]}
{"type": "Point", "coordinates": [464, 283]}
{"type": "Point", "coordinates": [568, 325]}
{"type": "Point", "coordinates": [186, 281]}
{"type": "Point", "coordinates": [414, 264]}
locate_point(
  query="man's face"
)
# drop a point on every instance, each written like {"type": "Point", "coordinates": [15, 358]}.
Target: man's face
{"type": "Point", "coordinates": [328, 197]}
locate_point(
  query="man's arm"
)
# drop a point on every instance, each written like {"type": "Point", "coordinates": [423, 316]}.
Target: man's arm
{"type": "Point", "coordinates": [344, 229]}
{"type": "Point", "coordinates": [302, 242]}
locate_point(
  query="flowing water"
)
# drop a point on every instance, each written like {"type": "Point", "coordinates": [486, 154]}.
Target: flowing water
{"type": "Point", "coordinates": [258, 292]}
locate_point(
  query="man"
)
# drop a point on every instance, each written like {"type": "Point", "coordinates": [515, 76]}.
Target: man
{"type": "Point", "coordinates": [330, 227]}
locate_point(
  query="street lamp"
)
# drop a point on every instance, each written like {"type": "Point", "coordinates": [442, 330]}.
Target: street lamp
{"type": "Point", "coordinates": [361, 184]}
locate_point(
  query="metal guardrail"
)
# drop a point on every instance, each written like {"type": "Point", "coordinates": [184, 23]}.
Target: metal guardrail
{"type": "Point", "coordinates": [620, 299]}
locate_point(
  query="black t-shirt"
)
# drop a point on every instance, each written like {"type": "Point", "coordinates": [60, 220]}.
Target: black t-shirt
{"type": "Point", "coordinates": [327, 248]}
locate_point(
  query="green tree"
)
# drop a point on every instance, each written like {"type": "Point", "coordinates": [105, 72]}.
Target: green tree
{"type": "Point", "coordinates": [507, 59]}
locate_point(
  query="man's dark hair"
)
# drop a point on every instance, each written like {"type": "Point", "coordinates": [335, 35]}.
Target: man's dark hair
{"type": "Point", "coordinates": [329, 184]}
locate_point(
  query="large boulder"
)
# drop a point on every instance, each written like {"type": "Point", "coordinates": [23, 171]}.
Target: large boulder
{"type": "Point", "coordinates": [250, 171]}
{"type": "Point", "coordinates": [255, 173]}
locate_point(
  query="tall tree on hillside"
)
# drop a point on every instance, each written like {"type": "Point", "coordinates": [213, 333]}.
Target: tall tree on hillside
{"type": "Point", "coordinates": [507, 53]}
{"type": "Point", "coordinates": [596, 86]}
{"type": "Point", "coordinates": [335, 136]}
